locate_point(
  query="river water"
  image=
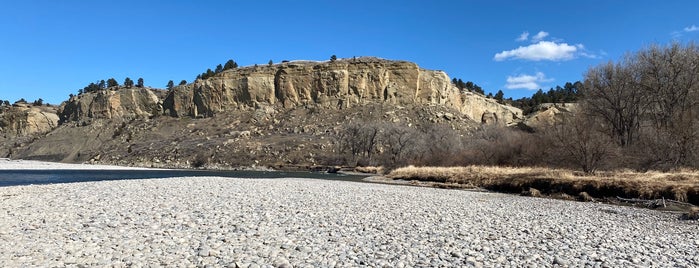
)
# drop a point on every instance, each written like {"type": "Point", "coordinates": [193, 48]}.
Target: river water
{"type": "Point", "coordinates": [28, 177]}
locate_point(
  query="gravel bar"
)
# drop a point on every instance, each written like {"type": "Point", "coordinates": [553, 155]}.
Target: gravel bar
{"type": "Point", "coordinates": [6, 163]}
{"type": "Point", "coordinates": [223, 222]}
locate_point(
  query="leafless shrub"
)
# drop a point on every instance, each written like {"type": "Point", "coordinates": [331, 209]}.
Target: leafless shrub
{"type": "Point", "coordinates": [441, 146]}
{"type": "Point", "coordinates": [400, 144]}
{"type": "Point", "coordinates": [358, 141]}
{"type": "Point", "coordinates": [200, 160]}
{"type": "Point", "coordinates": [579, 141]}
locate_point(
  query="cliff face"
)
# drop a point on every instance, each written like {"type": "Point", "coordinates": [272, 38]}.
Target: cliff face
{"type": "Point", "coordinates": [333, 85]}
{"type": "Point", "coordinates": [284, 114]}
{"type": "Point", "coordinates": [121, 103]}
{"type": "Point", "coordinates": [22, 119]}
{"type": "Point", "coordinates": [489, 111]}
{"type": "Point", "coordinates": [548, 114]}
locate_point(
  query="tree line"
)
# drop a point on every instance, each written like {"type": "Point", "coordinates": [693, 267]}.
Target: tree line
{"type": "Point", "coordinates": [640, 113]}
{"type": "Point", "coordinates": [647, 106]}
{"type": "Point", "coordinates": [37, 102]}
{"type": "Point", "coordinates": [467, 86]}
{"type": "Point", "coordinates": [110, 83]}
{"type": "Point", "coordinates": [637, 113]}
{"type": "Point", "coordinates": [230, 64]}
{"type": "Point", "coordinates": [570, 92]}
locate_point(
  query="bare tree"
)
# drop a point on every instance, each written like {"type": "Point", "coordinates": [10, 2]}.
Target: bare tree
{"type": "Point", "coordinates": [669, 79]}
{"type": "Point", "coordinates": [399, 143]}
{"type": "Point", "coordinates": [579, 141]}
{"type": "Point", "coordinates": [611, 95]}
{"type": "Point", "coordinates": [359, 140]}
{"type": "Point", "coordinates": [441, 145]}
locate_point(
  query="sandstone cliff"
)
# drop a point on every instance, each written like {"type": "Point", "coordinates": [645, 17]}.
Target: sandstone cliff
{"type": "Point", "coordinates": [293, 113]}
{"type": "Point", "coordinates": [24, 119]}
{"type": "Point", "coordinates": [333, 85]}
{"type": "Point", "coordinates": [548, 114]}
{"type": "Point", "coordinates": [121, 103]}
{"type": "Point", "coordinates": [489, 111]}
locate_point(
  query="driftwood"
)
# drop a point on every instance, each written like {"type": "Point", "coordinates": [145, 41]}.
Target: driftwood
{"type": "Point", "coordinates": [653, 202]}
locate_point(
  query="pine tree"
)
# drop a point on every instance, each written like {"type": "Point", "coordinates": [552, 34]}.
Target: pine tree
{"type": "Point", "coordinates": [170, 85]}
{"type": "Point", "coordinates": [140, 82]}
{"type": "Point", "coordinates": [219, 68]}
{"type": "Point", "coordinates": [128, 82]}
{"type": "Point", "coordinates": [230, 64]}
{"type": "Point", "coordinates": [499, 96]}
{"type": "Point", "coordinates": [468, 85]}
{"type": "Point", "coordinates": [270, 63]}
{"type": "Point", "coordinates": [111, 82]}
{"type": "Point", "coordinates": [183, 82]}
{"type": "Point", "coordinates": [478, 89]}
{"type": "Point", "coordinates": [333, 58]}
{"type": "Point", "coordinates": [92, 87]}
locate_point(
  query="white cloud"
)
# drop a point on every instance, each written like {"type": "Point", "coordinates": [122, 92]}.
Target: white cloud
{"type": "Point", "coordinates": [544, 50]}
{"type": "Point", "coordinates": [523, 37]}
{"type": "Point", "coordinates": [539, 36]}
{"type": "Point", "coordinates": [688, 29]}
{"type": "Point", "coordinates": [524, 81]}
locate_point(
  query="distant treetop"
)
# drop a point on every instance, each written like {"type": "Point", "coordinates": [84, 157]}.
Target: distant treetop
{"type": "Point", "coordinates": [470, 86]}
{"type": "Point", "coordinates": [230, 64]}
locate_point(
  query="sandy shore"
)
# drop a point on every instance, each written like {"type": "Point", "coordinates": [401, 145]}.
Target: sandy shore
{"type": "Point", "coordinates": [30, 164]}
{"type": "Point", "coordinates": [224, 222]}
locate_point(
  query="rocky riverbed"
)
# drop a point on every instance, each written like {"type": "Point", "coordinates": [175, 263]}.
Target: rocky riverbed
{"type": "Point", "coordinates": [219, 222]}
{"type": "Point", "coordinates": [6, 163]}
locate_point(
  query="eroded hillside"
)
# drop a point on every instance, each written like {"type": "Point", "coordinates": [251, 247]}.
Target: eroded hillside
{"type": "Point", "coordinates": [289, 114]}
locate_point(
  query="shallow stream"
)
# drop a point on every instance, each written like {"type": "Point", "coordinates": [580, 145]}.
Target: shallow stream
{"type": "Point", "coordinates": [28, 177]}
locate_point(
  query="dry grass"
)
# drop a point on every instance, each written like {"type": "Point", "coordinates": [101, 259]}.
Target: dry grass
{"type": "Point", "coordinates": [682, 185]}
{"type": "Point", "coordinates": [370, 170]}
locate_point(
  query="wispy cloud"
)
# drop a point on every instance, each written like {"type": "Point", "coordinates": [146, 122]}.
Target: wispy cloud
{"type": "Point", "coordinates": [688, 29]}
{"type": "Point", "coordinates": [589, 55]}
{"type": "Point", "coordinates": [524, 81]}
{"type": "Point", "coordinates": [539, 36]}
{"type": "Point", "coordinates": [543, 50]}
{"type": "Point", "coordinates": [523, 37]}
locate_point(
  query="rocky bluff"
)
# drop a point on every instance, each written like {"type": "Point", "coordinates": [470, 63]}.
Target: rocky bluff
{"type": "Point", "coordinates": [289, 114]}
{"type": "Point", "coordinates": [333, 85]}
{"type": "Point", "coordinates": [121, 103]}
{"type": "Point", "coordinates": [25, 119]}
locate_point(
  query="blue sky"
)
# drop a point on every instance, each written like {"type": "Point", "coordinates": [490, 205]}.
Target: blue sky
{"type": "Point", "coordinates": [50, 49]}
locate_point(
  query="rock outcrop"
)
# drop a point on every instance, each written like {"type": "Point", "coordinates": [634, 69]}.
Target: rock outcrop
{"type": "Point", "coordinates": [24, 119]}
{"type": "Point", "coordinates": [334, 85]}
{"type": "Point", "coordinates": [489, 111]}
{"type": "Point", "coordinates": [108, 103]}
{"type": "Point", "coordinates": [548, 114]}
